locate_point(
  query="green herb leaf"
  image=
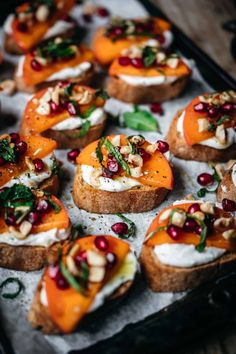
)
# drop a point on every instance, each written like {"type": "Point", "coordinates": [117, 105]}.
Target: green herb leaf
{"type": "Point", "coordinates": [7, 152]}
{"type": "Point", "coordinates": [70, 278]}
{"type": "Point", "coordinates": [202, 192]}
{"type": "Point", "coordinates": [69, 89]}
{"type": "Point", "coordinates": [141, 120]}
{"type": "Point", "coordinates": [149, 56]}
{"type": "Point", "coordinates": [88, 112]}
{"type": "Point", "coordinates": [223, 119]}
{"type": "Point", "coordinates": [153, 233]}
{"type": "Point", "coordinates": [131, 227]}
{"type": "Point", "coordinates": [132, 146]}
{"type": "Point", "coordinates": [111, 148]}
{"type": "Point", "coordinates": [55, 167]}
{"type": "Point", "coordinates": [76, 232]}
{"type": "Point", "coordinates": [15, 196]}
{"type": "Point", "coordinates": [202, 244]}
{"type": "Point", "coordinates": [13, 295]}
{"type": "Point", "coordinates": [103, 94]}
{"type": "Point", "coordinates": [99, 149]}
{"type": "Point", "coordinates": [84, 129]}
{"type": "Point", "coordinates": [55, 206]}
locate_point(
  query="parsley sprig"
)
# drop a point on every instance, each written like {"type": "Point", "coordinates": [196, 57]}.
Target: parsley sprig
{"type": "Point", "coordinates": [131, 227]}
{"type": "Point", "coordinates": [7, 152]}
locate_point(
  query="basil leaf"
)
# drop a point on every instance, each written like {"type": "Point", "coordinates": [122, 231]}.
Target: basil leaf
{"type": "Point", "coordinates": [111, 148]}
{"type": "Point", "coordinates": [103, 94]}
{"type": "Point", "coordinates": [131, 227]}
{"type": "Point", "coordinates": [99, 150]}
{"type": "Point", "coordinates": [70, 278]}
{"type": "Point", "coordinates": [13, 295]}
{"type": "Point", "coordinates": [7, 152]}
{"type": "Point", "coordinates": [141, 120]}
{"type": "Point", "coordinates": [149, 56]}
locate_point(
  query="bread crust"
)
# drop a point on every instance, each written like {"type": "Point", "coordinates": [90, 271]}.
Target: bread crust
{"type": "Point", "coordinates": [198, 152]}
{"type": "Point", "coordinates": [138, 94]}
{"type": "Point", "coordinates": [135, 200]}
{"type": "Point", "coordinates": [39, 316]}
{"type": "Point", "coordinates": [226, 189]}
{"type": "Point", "coordinates": [51, 185]}
{"type": "Point", "coordinates": [64, 137]}
{"type": "Point", "coordinates": [163, 278]}
{"type": "Point", "coordinates": [83, 79]}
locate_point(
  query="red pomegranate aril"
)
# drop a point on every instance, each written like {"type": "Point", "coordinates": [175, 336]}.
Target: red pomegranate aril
{"type": "Point", "coordinates": [227, 108]}
{"type": "Point", "coordinates": [144, 154]}
{"type": "Point", "coordinates": [111, 157]}
{"type": "Point", "coordinates": [124, 61]}
{"type": "Point", "coordinates": [63, 83]}
{"type": "Point", "coordinates": [111, 259]}
{"type": "Point", "coordinates": [113, 166]}
{"type": "Point", "coordinates": [11, 220]}
{"type": "Point", "coordinates": [117, 31]}
{"type": "Point", "coordinates": [22, 27]}
{"type": "Point", "coordinates": [161, 39]}
{"type": "Point", "coordinates": [102, 12]}
{"type": "Point", "coordinates": [101, 243]}
{"type": "Point", "coordinates": [61, 281]}
{"type": "Point", "coordinates": [2, 161]}
{"type": "Point", "coordinates": [193, 208]}
{"type": "Point", "coordinates": [174, 231]}
{"type": "Point", "coordinates": [72, 155]}
{"type": "Point", "coordinates": [43, 206]}
{"type": "Point", "coordinates": [39, 165]}
{"type": "Point", "coordinates": [162, 146]}
{"type": "Point", "coordinates": [54, 107]}
{"type": "Point", "coordinates": [71, 109]}
{"type": "Point", "coordinates": [190, 225]}
{"type": "Point", "coordinates": [137, 62]}
{"type": "Point", "coordinates": [53, 270]}
{"type": "Point", "coordinates": [212, 112]}
{"type": "Point", "coordinates": [33, 217]}
{"type": "Point", "coordinates": [21, 147]}
{"type": "Point", "coordinates": [228, 205]}
{"type": "Point", "coordinates": [15, 137]}
{"type": "Point", "coordinates": [80, 257]}
{"type": "Point", "coordinates": [198, 230]}
{"type": "Point", "coordinates": [120, 228]}
{"type": "Point", "coordinates": [87, 18]}
{"type": "Point", "coordinates": [205, 179]}
{"type": "Point", "coordinates": [201, 107]}
{"type": "Point", "coordinates": [156, 108]}
{"type": "Point", "coordinates": [106, 173]}
{"type": "Point", "coordinates": [35, 65]}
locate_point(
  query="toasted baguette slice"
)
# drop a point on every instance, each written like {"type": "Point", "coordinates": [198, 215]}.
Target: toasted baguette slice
{"type": "Point", "coordinates": [226, 189]}
{"type": "Point", "coordinates": [197, 152]}
{"type": "Point", "coordinates": [139, 94]}
{"type": "Point", "coordinates": [66, 140]}
{"type": "Point", "coordinates": [163, 278]}
{"type": "Point", "coordinates": [39, 316]}
{"type": "Point", "coordinates": [51, 185]}
{"type": "Point", "coordinates": [135, 200]}
{"type": "Point", "coordinates": [83, 79]}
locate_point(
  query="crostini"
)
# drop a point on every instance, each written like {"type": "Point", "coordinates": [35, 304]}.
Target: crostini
{"type": "Point", "coordinates": [188, 243]}
{"type": "Point", "coordinates": [34, 21]}
{"type": "Point", "coordinates": [29, 160]}
{"type": "Point", "coordinates": [205, 129]}
{"type": "Point", "coordinates": [52, 61]}
{"type": "Point", "coordinates": [144, 73]}
{"type": "Point", "coordinates": [89, 272]}
{"type": "Point", "coordinates": [71, 114]}
{"type": "Point", "coordinates": [226, 192]}
{"type": "Point", "coordinates": [120, 174]}
{"type": "Point", "coordinates": [120, 34]}
{"type": "Point", "coordinates": [33, 224]}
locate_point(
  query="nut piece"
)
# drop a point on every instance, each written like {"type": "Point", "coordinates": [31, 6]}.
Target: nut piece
{"type": "Point", "coordinates": [203, 125]}
{"type": "Point", "coordinates": [137, 140]}
{"type": "Point", "coordinates": [229, 234]}
{"type": "Point", "coordinates": [199, 215]}
{"type": "Point", "coordinates": [220, 170]}
{"type": "Point", "coordinates": [16, 233]}
{"type": "Point", "coordinates": [136, 172]}
{"type": "Point", "coordinates": [220, 134]}
{"type": "Point", "coordinates": [165, 215]}
{"type": "Point", "coordinates": [160, 57]}
{"type": "Point", "coordinates": [136, 160]}
{"type": "Point", "coordinates": [152, 148]}
{"type": "Point", "coordinates": [208, 207]}
{"type": "Point", "coordinates": [42, 13]}
{"type": "Point", "coordinates": [96, 259]}
{"type": "Point", "coordinates": [172, 62]}
{"type": "Point", "coordinates": [116, 140]}
{"type": "Point", "coordinates": [8, 87]}
{"type": "Point", "coordinates": [71, 265]}
{"type": "Point", "coordinates": [43, 109]}
{"type": "Point", "coordinates": [25, 228]}
{"type": "Point", "coordinates": [125, 150]}
{"type": "Point", "coordinates": [223, 222]}
{"type": "Point", "coordinates": [178, 218]}
{"type": "Point", "coordinates": [96, 274]}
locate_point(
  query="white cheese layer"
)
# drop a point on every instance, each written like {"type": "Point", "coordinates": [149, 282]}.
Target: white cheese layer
{"type": "Point", "coordinates": [96, 117]}
{"type": "Point", "coordinates": [31, 178]}
{"type": "Point", "coordinates": [233, 175]}
{"type": "Point", "coordinates": [118, 184]}
{"type": "Point", "coordinates": [147, 81]}
{"type": "Point", "coordinates": [70, 72]}
{"type": "Point", "coordinates": [212, 142]}
{"type": "Point", "coordinates": [186, 256]}
{"type": "Point", "coordinates": [168, 35]}
{"type": "Point", "coordinates": [43, 239]}
{"type": "Point", "coordinates": [7, 26]}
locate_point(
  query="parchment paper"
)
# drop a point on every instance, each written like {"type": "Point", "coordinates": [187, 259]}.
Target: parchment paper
{"type": "Point", "coordinates": [141, 301]}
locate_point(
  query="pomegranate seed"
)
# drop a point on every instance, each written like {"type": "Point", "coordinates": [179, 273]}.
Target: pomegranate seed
{"type": "Point", "coordinates": [54, 107]}
{"type": "Point", "coordinates": [228, 205]}
{"type": "Point", "coordinates": [11, 220]}
{"type": "Point", "coordinates": [201, 107]}
{"type": "Point", "coordinates": [117, 31]}
{"type": "Point", "coordinates": [124, 61]}
{"type": "Point", "coordinates": [2, 161]}
{"type": "Point", "coordinates": [120, 228]}
{"type": "Point", "coordinates": [21, 147]}
{"type": "Point", "coordinates": [53, 270]}
{"type": "Point", "coordinates": [43, 206]}
{"type": "Point", "coordinates": [102, 12]}
{"type": "Point", "coordinates": [64, 83]}
{"type": "Point", "coordinates": [66, 18]}
{"type": "Point", "coordinates": [33, 217]}
{"type": "Point", "coordinates": [156, 108]}
{"type": "Point", "coordinates": [227, 108]}
{"type": "Point", "coordinates": [22, 27]}
{"type": "Point", "coordinates": [137, 62]}
{"type": "Point", "coordinates": [193, 208]}
{"type": "Point", "coordinates": [113, 166]}
{"type": "Point", "coordinates": [106, 173]}
{"type": "Point", "coordinates": [161, 39]}
{"type": "Point", "coordinates": [144, 154]}
{"type": "Point", "coordinates": [212, 112]}
{"type": "Point", "coordinates": [101, 243]}
{"type": "Point", "coordinates": [205, 179]}
{"type": "Point", "coordinates": [111, 259]}
{"type": "Point", "coordinates": [163, 146]}
{"type": "Point", "coordinates": [39, 165]}
{"type": "Point", "coordinates": [71, 109]}
{"type": "Point", "coordinates": [35, 65]}
{"type": "Point", "coordinates": [15, 137]}
{"type": "Point", "coordinates": [72, 155]}
{"type": "Point", "coordinates": [80, 257]}
{"type": "Point", "coordinates": [87, 18]}
{"type": "Point", "coordinates": [174, 232]}
{"type": "Point", "coordinates": [198, 230]}
{"type": "Point", "coordinates": [190, 225]}
{"type": "Point", "coordinates": [61, 281]}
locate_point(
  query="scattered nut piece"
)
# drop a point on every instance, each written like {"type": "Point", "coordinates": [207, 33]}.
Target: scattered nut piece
{"type": "Point", "coordinates": [220, 170]}
{"type": "Point", "coordinates": [42, 13]}
{"type": "Point", "coordinates": [223, 222]}
{"type": "Point", "coordinates": [152, 148]}
{"type": "Point", "coordinates": [208, 208]}
{"type": "Point", "coordinates": [199, 215]}
{"type": "Point", "coordinates": [96, 274]}
{"type": "Point", "coordinates": [172, 62]}
{"type": "Point", "coordinates": [136, 172]}
{"type": "Point", "coordinates": [137, 140]}
{"type": "Point", "coordinates": [116, 140]}
{"type": "Point", "coordinates": [25, 228]}
{"type": "Point", "coordinates": [8, 87]}
{"type": "Point", "coordinates": [178, 218]}
{"type": "Point", "coordinates": [71, 265]}
{"type": "Point", "coordinates": [160, 57]}
{"type": "Point", "coordinates": [96, 259]}
{"type": "Point", "coordinates": [229, 234]}
{"type": "Point", "coordinates": [221, 134]}
{"type": "Point", "coordinates": [16, 233]}
{"type": "Point", "coordinates": [125, 150]}
{"type": "Point", "coordinates": [203, 125]}
{"type": "Point", "coordinates": [43, 109]}
{"type": "Point", "coordinates": [165, 215]}
{"type": "Point", "coordinates": [135, 159]}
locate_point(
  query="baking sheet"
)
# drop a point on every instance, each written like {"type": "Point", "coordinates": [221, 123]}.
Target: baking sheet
{"type": "Point", "coordinates": [141, 301]}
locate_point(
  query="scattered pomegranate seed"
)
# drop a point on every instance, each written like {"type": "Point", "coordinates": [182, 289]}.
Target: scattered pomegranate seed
{"type": "Point", "coordinates": [205, 179]}
{"type": "Point", "coordinates": [161, 39]}
{"type": "Point", "coordinates": [64, 83]}
{"type": "Point", "coordinates": [87, 18]}
{"type": "Point", "coordinates": [198, 230]}
{"type": "Point", "coordinates": [35, 65]}
{"type": "Point", "coordinates": [163, 146]}
{"type": "Point", "coordinates": [61, 281]}
{"type": "Point", "coordinates": [137, 62]}
{"type": "Point", "coordinates": [106, 173]}
{"type": "Point", "coordinates": [66, 18]}
{"type": "Point", "coordinates": [2, 161]}
{"type": "Point", "coordinates": [227, 108]}
{"type": "Point", "coordinates": [22, 27]}
{"type": "Point", "coordinates": [144, 154]}
{"type": "Point", "coordinates": [117, 31]}
{"type": "Point", "coordinates": [113, 166]}
{"type": "Point", "coordinates": [201, 107]}
{"type": "Point", "coordinates": [21, 147]}
{"type": "Point", "coordinates": [228, 205]}
{"type": "Point", "coordinates": [80, 257]}
{"type": "Point", "coordinates": [54, 107]}
{"type": "Point", "coordinates": [193, 208]}
{"type": "Point", "coordinates": [111, 259]}
{"type": "Point", "coordinates": [120, 228]}
{"type": "Point", "coordinates": [212, 112]}
{"type": "Point", "coordinates": [72, 155]}
{"type": "Point", "coordinates": [102, 12]}
{"type": "Point", "coordinates": [15, 137]}
{"type": "Point", "coordinates": [53, 270]}
{"type": "Point", "coordinates": [71, 109]}
{"type": "Point", "coordinates": [174, 232]}
{"type": "Point", "coordinates": [43, 206]}
{"type": "Point", "coordinates": [11, 220]}
{"type": "Point", "coordinates": [33, 217]}
{"type": "Point", "coordinates": [39, 165]}
{"type": "Point", "coordinates": [190, 225]}
{"type": "Point", "coordinates": [101, 243]}
{"type": "Point", "coordinates": [124, 61]}
{"type": "Point", "coordinates": [156, 108]}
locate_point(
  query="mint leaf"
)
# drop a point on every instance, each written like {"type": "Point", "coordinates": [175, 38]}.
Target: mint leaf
{"type": "Point", "coordinates": [111, 148]}
{"type": "Point", "coordinates": [13, 295]}
{"type": "Point", "coordinates": [141, 120]}
{"type": "Point", "coordinates": [7, 152]}
{"type": "Point", "coordinates": [84, 129]}
{"type": "Point", "coordinates": [131, 227]}
{"type": "Point", "coordinates": [17, 195]}
{"type": "Point", "coordinates": [149, 56]}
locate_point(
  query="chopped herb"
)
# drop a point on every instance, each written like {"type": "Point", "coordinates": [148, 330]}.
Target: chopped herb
{"type": "Point", "coordinates": [103, 94]}
{"type": "Point", "coordinates": [132, 146]}
{"type": "Point", "coordinates": [13, 295]}
{"type": "Point", "coordinates": [131, 227]}
{"type": "Point", "coordinates": [70, 278]}
{"type": "Point", "coordinates": [99, 150]}
{"type": "Point", "coordinates": [7, 152]}
{"type": "Point", "coordinates": [153, 233]}
{"type": "Point", "coordinates": [111, 148]}
{"type": "Point", "coordinates": [55, 167]}
{"type": "Point", "coordinates": [61, 50]}
{"type": "Point", "coordinates": [76, 232]}
{"type": "Point", "coordinates": [15, 196]}
{"type": "Point", "coordinates": [149, 56]}
{"type": "Point", "coordinates": [84, 129]}
{"type": "Point", "coordinates": [55, 206]}
{"type": "Point", "coordinates": [69, 89]}
{"type": "Point", "coordinates": [223, 119]}
{"type": "Point", "coordinates": [88, 112]}
{"type": "Point", "coordinates": [141, 120]}
{"type": "Point", "coordinates": [202, 244]}
{"type": "Point", "coordinates": [202, 192]}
